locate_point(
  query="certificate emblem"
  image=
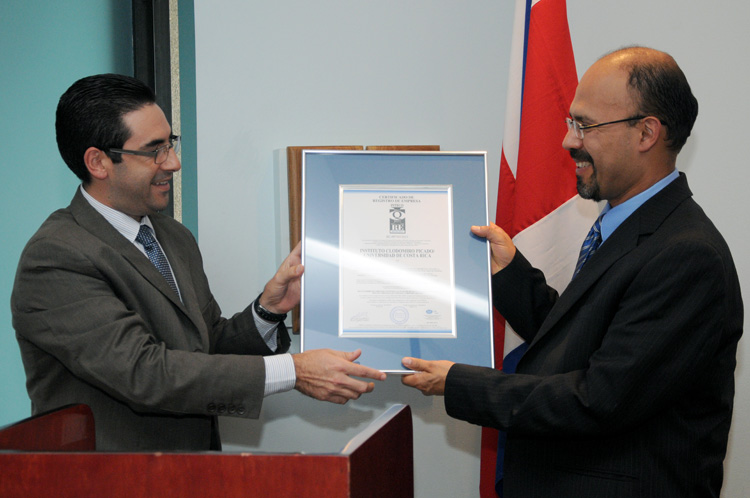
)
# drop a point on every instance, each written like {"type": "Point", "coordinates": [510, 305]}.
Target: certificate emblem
{"type": "Point", "coordinates": [398, 219]}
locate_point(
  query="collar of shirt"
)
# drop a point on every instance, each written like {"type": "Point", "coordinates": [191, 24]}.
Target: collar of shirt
{"type": "Point", "coordinates": [123, 223]}
{"type": "Point", "coordinates": [616, 215]}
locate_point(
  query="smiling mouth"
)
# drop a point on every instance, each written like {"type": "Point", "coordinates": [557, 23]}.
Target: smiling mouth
{"type": "Point", "coordinates": [581, 159]}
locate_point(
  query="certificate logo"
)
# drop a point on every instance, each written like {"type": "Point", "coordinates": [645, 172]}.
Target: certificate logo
{"type": "Point", "coordinates": [398, 219]}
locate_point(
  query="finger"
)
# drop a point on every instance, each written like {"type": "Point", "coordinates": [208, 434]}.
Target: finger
{"type": "Point", "coordinates": [287, 274]}
{"type": "Point", "coordinates": [336, 390]}
{"type": "Point", "coordinates": [296, 271]}
{"type": "Point", "coordinates": [297, 251]}
{"type": "Point", "coordinates": [292, 265]}
{"type": "Point", "coordinates": [362, 371]}
{"type": "Point", "coordinates": [330, 397]}
{"type": "Point", "coordinates": [351, 389]}
{"type": "Point", "coordinates": [359, 370]}
{"type": "Point", "coordinates": [417, 382]}
{"type": "Point", "coordinates": [294, 257]}
{"type": "Point", "coordinates": [410, 380]}
{"type": "Point", "coordinates": [361, 387]}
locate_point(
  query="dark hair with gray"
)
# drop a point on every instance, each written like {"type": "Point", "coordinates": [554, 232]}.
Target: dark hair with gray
{"type": "Point", "coordinates": [90, 113]}
{"type": "Point", "coordinates": [661, 90]}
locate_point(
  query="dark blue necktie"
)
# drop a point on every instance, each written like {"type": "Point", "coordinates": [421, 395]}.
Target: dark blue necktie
{"type": "Point", "coordinates": [590, 245]}
{"type": "Point", "coordinates": [155, 254]}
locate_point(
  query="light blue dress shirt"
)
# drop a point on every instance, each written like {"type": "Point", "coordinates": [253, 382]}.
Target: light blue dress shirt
{"type": "Point", "coordinates": [616, 215]}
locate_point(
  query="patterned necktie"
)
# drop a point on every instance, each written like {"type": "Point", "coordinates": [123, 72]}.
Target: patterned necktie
{"type": "Point", "coordinates": [590, 245]}
{"type": "Point", "coordinates": [156, 255]}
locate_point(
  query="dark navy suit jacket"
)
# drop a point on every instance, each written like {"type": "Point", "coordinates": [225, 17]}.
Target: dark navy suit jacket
{"type": "Point", "coordinates": [627, 386]}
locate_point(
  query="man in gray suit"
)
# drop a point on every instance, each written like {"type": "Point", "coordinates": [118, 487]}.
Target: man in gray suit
{"type": "Point", "coordinates": [627, 385]}
{"type": "Point", "coordinates": [112, 308]}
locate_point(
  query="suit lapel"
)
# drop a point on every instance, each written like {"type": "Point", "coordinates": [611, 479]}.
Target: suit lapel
{"type": "Point", "coordinates": [642, 223]}
{"type": "Point", "coordinates": [180, 263]}
{"type": "Point", "coordinates": [97, 225]}
{"type": "Point", "coordinates": [617, 246]}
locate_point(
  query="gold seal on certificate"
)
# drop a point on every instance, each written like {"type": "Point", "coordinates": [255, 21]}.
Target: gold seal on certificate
{"type": "Point", "coordinates": [396, 261]}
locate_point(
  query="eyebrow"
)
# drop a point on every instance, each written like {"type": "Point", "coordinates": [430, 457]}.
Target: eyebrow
{"type": "Point", "coordinates": [579, 117]}
{"type": "Point", "coordinates": [158, 141]}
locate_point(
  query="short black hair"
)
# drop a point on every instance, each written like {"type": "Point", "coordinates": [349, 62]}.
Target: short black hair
{"type": "Point", "coordinates": [662, 91]}
{"type": "Point", "coordinates": [89, 114]}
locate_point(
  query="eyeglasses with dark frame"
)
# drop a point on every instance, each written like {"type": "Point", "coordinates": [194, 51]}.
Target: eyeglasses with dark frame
{"type": "Point", "coordinates": [577, 128]}
{"type": "Point", "coordinates": [160, 154]}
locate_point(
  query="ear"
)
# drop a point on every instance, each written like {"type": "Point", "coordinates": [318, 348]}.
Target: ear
{"type": "Point", "coordinates": [651, 133]}
{"type": "Point", "coordinates": [96, 162]}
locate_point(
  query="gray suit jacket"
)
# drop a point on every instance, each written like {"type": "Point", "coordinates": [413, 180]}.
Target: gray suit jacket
{"type": "Point", "coordinates": [98, 324]}
{"type": "Point", "coordinates": [627, 386]}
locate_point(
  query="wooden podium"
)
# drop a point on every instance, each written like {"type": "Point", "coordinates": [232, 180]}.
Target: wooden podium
{"type": "Point", "coordinates": [53, 455]}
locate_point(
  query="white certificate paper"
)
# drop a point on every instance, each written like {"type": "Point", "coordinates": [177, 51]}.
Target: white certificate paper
{"type": "Point", "coordinates": [396, 268]}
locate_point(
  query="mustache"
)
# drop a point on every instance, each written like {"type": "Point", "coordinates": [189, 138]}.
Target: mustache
{"type": "Point", "coordinates": [580, 156]}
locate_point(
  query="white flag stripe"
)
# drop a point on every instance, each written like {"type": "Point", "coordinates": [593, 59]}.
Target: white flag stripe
{"type": "Point", "coordinates": [513, 100]}
{"type": "Point", "coordinates": [552, 244]}
{"type": "Point", "coordinates": [512, 129]}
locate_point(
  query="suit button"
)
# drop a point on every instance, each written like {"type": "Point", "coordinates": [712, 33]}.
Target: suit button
{"type": "Point", "coordinates": [241, 410]}
{"type": "Point", "coordinates": [211, 408]}
{"type": "Point", "coordinates": [222, 409]}
{"type": "Point", "coordinates": [231, 409]}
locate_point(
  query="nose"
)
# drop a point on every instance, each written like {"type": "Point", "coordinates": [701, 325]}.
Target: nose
{"type": "Point", "coordinates": [571, 141]}
{"type": "Point", "coordinates": [172, 163]}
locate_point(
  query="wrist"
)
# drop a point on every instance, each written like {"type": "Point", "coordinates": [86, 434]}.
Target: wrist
{"type": "Point", "coordinates": [265, 313]}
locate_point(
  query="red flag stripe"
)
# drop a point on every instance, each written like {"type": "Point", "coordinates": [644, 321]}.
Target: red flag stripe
{"type": "Point", "coordinates": [544, 172]}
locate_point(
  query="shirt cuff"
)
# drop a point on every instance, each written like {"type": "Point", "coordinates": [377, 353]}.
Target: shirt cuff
{"type": "Point", "coordinates": [280, 375]}
{"type": "Point", "coordinates": [267, 330]}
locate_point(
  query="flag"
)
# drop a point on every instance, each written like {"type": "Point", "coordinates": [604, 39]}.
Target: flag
{"type": "Point", "coordinates": [537, 202]}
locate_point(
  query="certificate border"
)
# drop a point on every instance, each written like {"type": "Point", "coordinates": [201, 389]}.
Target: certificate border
{"type": "Point", "coordinates": [403, 333]}
{"type": "Point", "coordinates": [322, 173]}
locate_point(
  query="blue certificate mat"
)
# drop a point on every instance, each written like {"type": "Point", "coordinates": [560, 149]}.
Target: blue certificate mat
{"type": "Point", "coordinates": [391, 266]}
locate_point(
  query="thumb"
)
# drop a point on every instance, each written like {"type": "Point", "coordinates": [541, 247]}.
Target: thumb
{"type": "Point", "coordinates": [414, 364]}
{"type": "Point", "coordinates": [492, 232]}
{"type": "Point", "coordinates": [480, 231]}
{"type": "Point", "coordinates": [353, 355]}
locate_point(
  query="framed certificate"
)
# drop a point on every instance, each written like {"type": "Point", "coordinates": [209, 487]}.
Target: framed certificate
{"type": "Point", "coordinates": [391, 266]}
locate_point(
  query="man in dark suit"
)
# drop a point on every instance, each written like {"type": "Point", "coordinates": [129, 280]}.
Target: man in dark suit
{"type": "Point", "coordinates": [627, 385]}
{"type": "Point", "coordinates": [112, 308]}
